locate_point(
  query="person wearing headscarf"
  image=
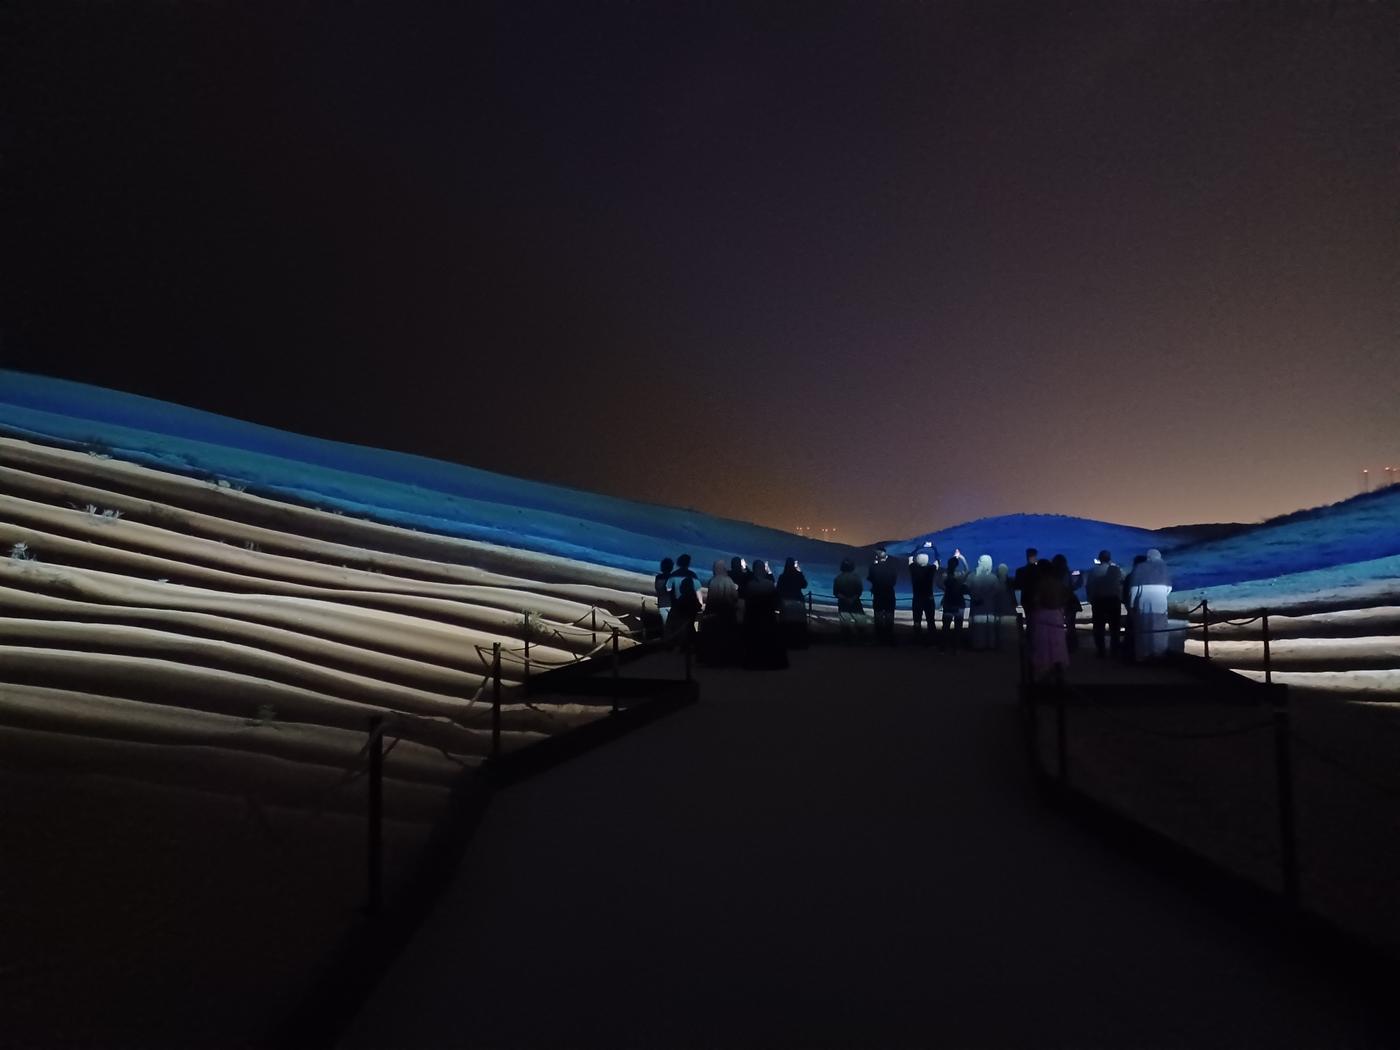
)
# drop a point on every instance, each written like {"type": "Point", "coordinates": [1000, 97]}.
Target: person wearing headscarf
{"type": "Point", "coordinates": [763, 643]}
{"type": "Point", "coordinates": [1149, 584]}
{"type": "Point", "coordinates": [740, 574]}
{"type": "Point", "coordinates": [984, 587]}
{"type": "Point", "coordinates": [847, 589]}
{"type": "Point", "coordinates": [719, 625]}
{"type": "Point", "coordinates": [792, 611]}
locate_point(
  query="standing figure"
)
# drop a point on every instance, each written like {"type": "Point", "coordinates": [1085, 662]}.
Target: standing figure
{"type": "Point", "coordinates": [954, 602]}
{"type": "Point", "coordinates": [740, 574]}
{"type": "Point", "coordinates": [1049, 654]}
{"type": "Point", "coordinates": [763, 644]}
{"type": "Point", "coordinates": [984, 587]}
{"type": "Point", "coordinates": [1025, 582]}
{"type": "Point", "coordinates": [922, 570]}
{"type": "Point", "coordinates": [1105, 592]}
{"type": "Point", "coordinates": [1005, 607]}
{"type": "Point", "coordinates": [847, 587]}
{"type": "Point", "coordinates": [663, 592]}
{"type": "Point", "coordinates": [684, 586]}
{"type": "Point", "coordinates": [792, 611]}
{"type": "Point", "coordinates": [1073, 606]}
{"type": "Point", "coordinates": [719, 626]}
{"type": "Point", "coordinates": [1149, 584]}
{"type": "Point", "coordinates": [1129, 649]}
{"type": "Point", "coordinates": [883, 576]}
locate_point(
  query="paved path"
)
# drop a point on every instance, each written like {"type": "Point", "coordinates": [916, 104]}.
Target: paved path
{"type": "Point", "coordinates": [836, 855]}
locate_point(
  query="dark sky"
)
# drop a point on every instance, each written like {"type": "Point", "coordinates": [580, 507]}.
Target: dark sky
{"type": "Point", "coordinates": [883, 267]}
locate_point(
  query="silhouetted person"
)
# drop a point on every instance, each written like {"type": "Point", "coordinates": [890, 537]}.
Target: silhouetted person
{"type": "Point", "coordinates": [1104, 589]}
{"type": "Point", "coordinates": [1049, 655]}
{"type": "Point", "coordinates": [847, 587]}
{"type": "Point", "coordinates": [760, 568]}
{"type": "Point", "coordinates": [883, 576]}
{"type": "Point", "coordinates": [1026, 579]}
{"type": "Point", "coordinates": [684, 586]}
{"type": "Point", "coordinates": [663, 592]}
{"type": "Point", "coordinates": [954, 602]}
{"type": "Point", "coordinates": [923, 569]}
{"type": "Point", "coordinates": [1006, 605]}
{"type": "Point", "coordinates": [740, 574]}
{"type": "Point", "coordinates": [1073, 606]}
{"type": "Point", "coordinates": [1149, 584]}
{"type": "Point", "coordinates": [1129, 638]}
{"type": "Point", "coordinates": [718, 639]}
{"type": "Point", "coordinates": [792, 610]}
{"type": "Point", "coordinates": [763, 644]}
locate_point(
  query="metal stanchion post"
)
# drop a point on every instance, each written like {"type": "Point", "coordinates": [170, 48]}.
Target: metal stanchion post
{"type": "Point", "coordinates": [615, 668]}
{"type": "Point", "coordinates": [527, 653]}
{"type": "Point", "coordinates": [1268, 667]}
{"type": "Point", "coordinates": [1283, 763]}
{"type": "Point", "coordinates": [1205, 626]}
{"type": "Point", "coordinates": [1021, 657]}
{"type": "Point", "coordinates": [375, 851]}
{"type": "Point", "coordinates": [595, 626]}
{"type": "Point", "coordinates": [1061, 741]}
{"type": "Point", "coordinates": [496, 700]}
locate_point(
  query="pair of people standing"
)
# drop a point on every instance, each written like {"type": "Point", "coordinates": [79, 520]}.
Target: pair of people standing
{"type": "Point", "coordinates": [925, 575]}
{"type": "Point", "coordinates": [1145, 591]}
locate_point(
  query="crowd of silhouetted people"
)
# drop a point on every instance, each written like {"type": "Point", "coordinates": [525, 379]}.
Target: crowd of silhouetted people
{"type": "Point", "coordinates": [743, 614]}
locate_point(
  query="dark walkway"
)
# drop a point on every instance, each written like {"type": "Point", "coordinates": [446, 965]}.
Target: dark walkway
{"type": "Point", "coordinates": [837, 855]}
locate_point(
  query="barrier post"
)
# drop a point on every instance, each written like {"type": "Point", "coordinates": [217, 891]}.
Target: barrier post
{"type": "Point", "coordinates": [594, 614]}
{"type": "Point", "coordinates": [1268, 667]}
{"type": "Point", "coordinates": [527, 653]}
{"type": "Point", "coordinates": [375, 840]}
{"type": "Point", "coordinates": [1061, 741]}
{"type": "Point", "coordinates": [809, 608]}
{"type": "Point", "coordinates": [1021, 656]}
{"type": "Point", "coordinates": [1205, 626]}
{"type": "Point", "coordinates": [496, 700]}
{"type": "Point", "coordinates": [1283, 765]}
{"type": "Point", "coordinates": [615, 669]}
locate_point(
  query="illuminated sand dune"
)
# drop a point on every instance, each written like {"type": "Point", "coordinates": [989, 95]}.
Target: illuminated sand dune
{"type": "Point", "coordinates": [144, 609]}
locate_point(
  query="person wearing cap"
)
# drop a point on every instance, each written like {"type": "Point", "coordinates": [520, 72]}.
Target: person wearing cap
{"type": "Point", "coordinates": [883, 576]}
{"type": "Point", "coordinates": [1149, 584]}
{"type": "Point", "coordinates": [1104, 589]}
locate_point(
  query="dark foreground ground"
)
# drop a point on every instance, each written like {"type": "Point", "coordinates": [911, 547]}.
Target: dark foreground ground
{"type": "Point", "coordinates": [849, 853]}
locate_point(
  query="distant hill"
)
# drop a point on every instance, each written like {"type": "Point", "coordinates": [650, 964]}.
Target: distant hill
{"type": "Point", "coordinates": [1006, 538]}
